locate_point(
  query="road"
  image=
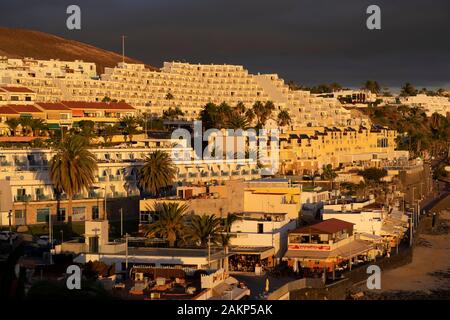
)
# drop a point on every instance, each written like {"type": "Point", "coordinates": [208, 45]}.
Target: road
{"type": "Point", "coordinates": [257, 284]}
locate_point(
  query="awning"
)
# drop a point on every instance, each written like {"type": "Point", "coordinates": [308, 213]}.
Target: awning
{"type": "Point", "coordinates": [53, 126]}
{"type": "Point", "coordinates": [346, 251]}
{"type": "Point", "coordinates": [263, 252]}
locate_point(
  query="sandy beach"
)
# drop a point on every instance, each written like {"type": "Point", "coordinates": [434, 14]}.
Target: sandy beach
{"type": "Point", "coordinates": [428, 275]}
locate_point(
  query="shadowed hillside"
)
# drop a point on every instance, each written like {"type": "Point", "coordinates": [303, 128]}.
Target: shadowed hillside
{"type": "Point", "coordinates": [20, 43]}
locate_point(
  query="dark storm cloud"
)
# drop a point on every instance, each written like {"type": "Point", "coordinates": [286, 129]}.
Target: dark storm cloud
{"type": "Point", "coordinates": [310, 41]}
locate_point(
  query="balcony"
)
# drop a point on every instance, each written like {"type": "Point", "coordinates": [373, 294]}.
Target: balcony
{"type": "Point", "coordinates": [116, 194]}
{"type": "Point", "coordinates": [43, 197]}
{"type": "Point", "coordinates": [5, 163]}
{"type": "Point", "coordinates": [115, 178]}
{"type": "Point", "coordinates": [102, 179]}
{"type": "Point", "coordinates": [22, 198]}
{"type": "Point", "coordinates": [193, 175]}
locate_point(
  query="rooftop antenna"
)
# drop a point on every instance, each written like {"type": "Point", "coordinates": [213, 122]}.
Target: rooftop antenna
{"type": "Point", "coordinates": [123, 49]}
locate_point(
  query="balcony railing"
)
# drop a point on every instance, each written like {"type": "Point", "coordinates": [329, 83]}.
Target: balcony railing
{"type": "Point", "coordinates": [23, 198]}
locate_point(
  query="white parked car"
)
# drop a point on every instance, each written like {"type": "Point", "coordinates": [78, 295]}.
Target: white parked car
{"type": "Point", "coordinates": [6, 235]}
{"type": "Point", "coordinates": [43, 241]}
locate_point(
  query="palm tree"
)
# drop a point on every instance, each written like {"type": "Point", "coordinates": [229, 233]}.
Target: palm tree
{"type": "Point", "coordinates": [237, 121]}
{"type": "Point", "coordinates": [263, 112]}
{"type": "Point", "coordinates": [129, 127]}
{"type": "Point", "coordinates": [329, 174]}
{"type": "Point", "coordinates": [73, 167]}
{"type": "Point", "coordinates": [37, 126]}
{"type": "Point", "coordinates": [107, 132]}
{"type": "Point", "coordinates": [372, 86]}
{"type": "Point", "coordinates": [172, 114]}
{"type": "Point", "coordinates": [283, 118]}
{"type": "Point", "coordinates": [170, 223]}
{"type": "Point", "coordinates": [87, 129]}
{"type": "Point", "coordinates": [408, 90]}
{"type": "Point", "coordinates": [202, 229]}
{"type": "Point", "coordinates": [158, 172]}
{"type": "Point", "coordinates": [12, 123]}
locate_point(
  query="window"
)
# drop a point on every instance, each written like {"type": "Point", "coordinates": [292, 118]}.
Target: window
{"type": "Point", "coordinates": [14, 98]}
{"type": "Point", "coordinates": [95, 213]}
{"type": "Point", "coordinates": [42, 214]}
{"type": "Point", "coordinates": [61, 215]}
{"type": "Point", "coordinates": [78, 213]}
{"type": "Point", "coordinates": [260, 228]}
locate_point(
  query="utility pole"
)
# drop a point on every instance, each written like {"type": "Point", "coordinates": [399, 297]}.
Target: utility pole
{"type": "Point", "coordinates": [50, 229]}
{"type": "Point", "coordinates": [106, 214]}
{"type": "Point", "coordinates": [121, 222]}
{"type": "Point", "coordinates": [10, 226]}
{"type": "Point", "coordinates": [411, 231]}
{"type": "Point", "coordinates": [126, 252]}
{"type": "Point", "coordinates": [209, 251]}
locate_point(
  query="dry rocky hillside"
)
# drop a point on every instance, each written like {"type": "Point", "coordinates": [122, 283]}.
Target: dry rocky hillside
{"type": "Point", "coordinates": [20, 43]}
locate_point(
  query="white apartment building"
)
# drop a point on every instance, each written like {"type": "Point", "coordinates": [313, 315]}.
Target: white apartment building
{"type": "Point", "coordinates": [26, 174]}
{"type": "Point", "coordinates": [262, 230]}
{"type": "Point", "coordinates": [431, 104]}
{"type": "Point", "coordinates": [187, 86]}
{"type": "Point", "coordinates": [367, 217]}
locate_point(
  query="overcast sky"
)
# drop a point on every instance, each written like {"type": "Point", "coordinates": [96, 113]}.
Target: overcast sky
{"type": "Point", "coordinates": [309, 41]}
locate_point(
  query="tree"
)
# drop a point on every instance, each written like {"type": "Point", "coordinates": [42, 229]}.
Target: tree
{"type": "Point", "coordinates": [329, 174]}
{"type": "Point", "coordinates": [203, 228]}
{"type": "Point", "coordinates": [335, 86]}
{"type": "Point", "coordinates": [107, 132]}
{"type": "Point", "coordinates": [263, 112]}
{"type": "Point", "coordinates": [73, 168]}
{"type": "Point", "coordinates": [170, 222]}
{"type": "Point", "coordinates": [284, 118]}
{"type": "Point", "coordinates": [106, 99]}
{"type": "Point", "coordinates": [372, 86]}
{"type": "Point", "coordinates": [12, 123]}
{"type": "Point", "coordinates": [158, 172]}
{"type": "Point", "coordinates": [408, 90]}
{"type": "Point", "coordinates": [172, 114]}
{"type": "Point", "coordinates": [37, 126]}
{"type": "Point", "coordinates": [373, 175]}
{"type": "Point", "coordinates": [237, 121]}
{"type": "Point", "coordinates": [169, 96]}
{"type": "Point", "coordinates": [129, 127]}
{"type": "Point", "coordinates": [87, 129]}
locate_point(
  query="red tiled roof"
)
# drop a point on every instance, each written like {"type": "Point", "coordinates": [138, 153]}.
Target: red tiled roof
{"type": "Point", "coordinates": [327, 226]}
{"type": "Point", "coordinates": [52, 106]}
{"type": "Point", "coordinates": [24, 108]}
{"type": "Point", "coordinates": [16, 89]}
{"type": "Point", "coordinates": [7, 110]}
{"type": "Point", "coordinates": [17, 139]}
{"type": "Point", "coordinates": [98, 105]}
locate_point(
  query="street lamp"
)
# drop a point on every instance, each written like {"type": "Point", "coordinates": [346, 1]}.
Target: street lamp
{"type": "Point", "coordinates": [103, 188]}
{"type": "Point", "coordinates": [10, 226]}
